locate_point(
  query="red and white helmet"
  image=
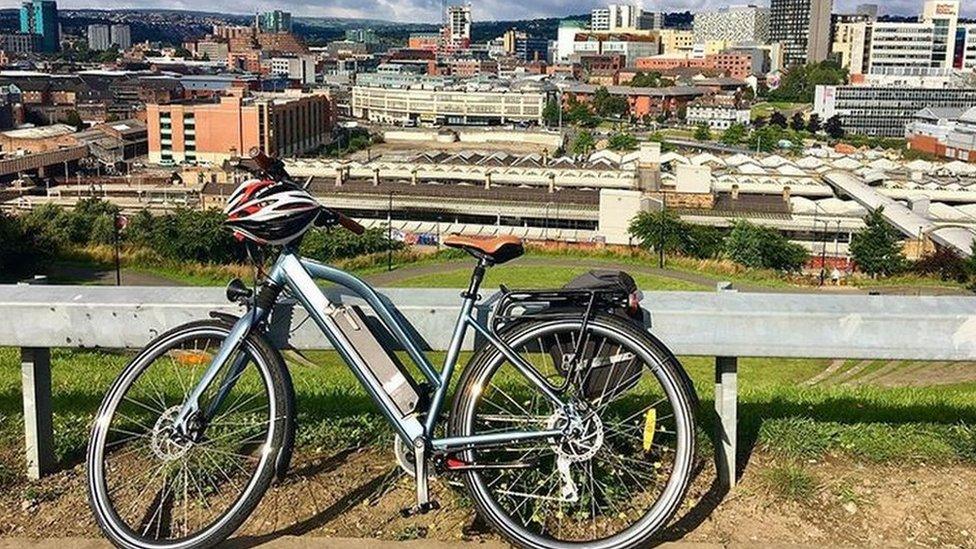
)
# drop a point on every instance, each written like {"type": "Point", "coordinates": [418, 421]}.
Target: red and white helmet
{"type": "Point", "coordinates": [271, 212]}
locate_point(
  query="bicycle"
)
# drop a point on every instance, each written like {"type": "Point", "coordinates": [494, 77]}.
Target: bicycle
{"type": "Point", "coordinates": [571, 425]}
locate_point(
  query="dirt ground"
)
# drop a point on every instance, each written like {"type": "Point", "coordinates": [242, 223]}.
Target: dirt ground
{"type": "Point", "coordinates": [359, 494]}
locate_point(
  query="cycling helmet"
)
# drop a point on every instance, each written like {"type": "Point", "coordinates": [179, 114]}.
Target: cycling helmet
{"type": "Point", "coordinates": [270, 212]}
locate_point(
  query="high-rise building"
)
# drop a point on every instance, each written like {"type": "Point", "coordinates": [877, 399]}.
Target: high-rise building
{"type": "Point", "coordinates": [803, 27]}
{"type": "Point", "coordinates": [275, 21]}
{"type": "Point", "coordinates": [615, 17]}
{"type": "Point", "coordinates": [99, 37]}
{"type": "Point", "coordinates": [943, 16]}
{"type": "Point", "coordinates": [851, 46]}
{"type": "Point", "coordinates": [121, 37]}
{"type": "Point", "coordinates": [458, 24]}
{"type": "Point", "coordinates": [282, 124]}
{"type": "Point", "coordinates": [733, 24]}
{"type": "Point", "coordinates": [365, 36]}
{"type": "Point", "coordinates": [651, 20]}
{"type": "Point", "coordinates": [41, 17]}
{"type": "Point", "coordinates": [967, 57]}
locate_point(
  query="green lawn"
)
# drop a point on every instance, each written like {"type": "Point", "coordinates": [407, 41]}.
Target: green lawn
{"type": "Point", "coordinates": [777, 413]}
{"type": "Point", "coordinates": [520, 276]}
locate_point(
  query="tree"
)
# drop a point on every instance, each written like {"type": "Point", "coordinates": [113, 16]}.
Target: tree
{"type": "Point", "coordinates": [876, 248]}
{"type": "Point", "coordinates": [646, 80]}
{"type": "Point", "coordinates": [664, 229]}
{"type": "Point", "coordinates": [551, 113]}
{"type": "Point", "coordinates": [797, 123]}
{"type": "Point", "coordinates": [703, 132]}
{"type": "Point", "coordinates": [658, 230]}
{"type": "Point", "coordinates": [583, 144]}
{"type": "Point", "coordinates": [766, 138]}
{"type": "Point", "coordinates": [759, 121]}
{"type": "Point", "coordinates": [580, 114]}
{"type": "Point", "coordinates": [622, 142]}
{"type": "Point", "coordinates": [800, 82]}
{"type": "Point", "coordinates": [834, 127]}
{"type": "Point", "coordinates": [608, 105]}
{"type": "Point", "coordinates": [72, 118]}
{"type": "Point", "coordinates": [734, 134]}
{"type": "Point", "coordinates": [763, 247]}
{"type": "Point", "coordinates": [778, 119]}
{"type": "Point", "coordinates": [813, 123]}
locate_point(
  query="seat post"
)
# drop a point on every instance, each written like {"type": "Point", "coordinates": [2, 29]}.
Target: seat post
{"type": "Point", "coordinates": [477, 276]}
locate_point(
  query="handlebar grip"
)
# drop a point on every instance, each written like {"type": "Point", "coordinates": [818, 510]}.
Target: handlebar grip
{"type": "Point", "coordinates": [262, 160]}
{"type": "Point", "coordinates": [350, 224]}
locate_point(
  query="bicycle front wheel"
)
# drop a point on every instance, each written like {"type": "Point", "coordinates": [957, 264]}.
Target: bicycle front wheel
{"type": "Point", "coordinates": [620, 475]}
{"type": "Point", "coordinates": [151, 489]}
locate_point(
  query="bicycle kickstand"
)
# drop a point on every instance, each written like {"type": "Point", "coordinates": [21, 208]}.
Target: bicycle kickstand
{"type": "Point", "coordinates": [424, 503]}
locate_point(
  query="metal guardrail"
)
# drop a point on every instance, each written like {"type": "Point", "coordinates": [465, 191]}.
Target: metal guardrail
{"type": "Point", "coordinates": [725, 325]}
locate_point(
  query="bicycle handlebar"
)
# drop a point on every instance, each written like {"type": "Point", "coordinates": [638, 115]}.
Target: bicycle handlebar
{"type": "Point", "coordinates": [274, 168]}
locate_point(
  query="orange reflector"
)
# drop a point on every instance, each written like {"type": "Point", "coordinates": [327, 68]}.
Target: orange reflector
{"type": "Point", "coordinates": [191, 358]}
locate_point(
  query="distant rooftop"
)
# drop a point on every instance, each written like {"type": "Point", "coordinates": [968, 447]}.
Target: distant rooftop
{"type": "Point", "coordinates": [43, 132]}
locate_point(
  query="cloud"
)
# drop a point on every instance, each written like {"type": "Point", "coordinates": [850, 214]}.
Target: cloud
{"type": "Point", "coordinates": [428, 11]}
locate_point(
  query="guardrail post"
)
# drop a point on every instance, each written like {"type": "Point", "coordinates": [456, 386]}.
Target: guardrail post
{"type": "Point", "coordinates": [35, 368]}
{"type": "Point", "coordinates": [726, 406]}
{"type": "Point", "coordinates": [726, 398]}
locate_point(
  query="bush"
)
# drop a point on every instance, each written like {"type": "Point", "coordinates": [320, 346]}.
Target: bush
{"type": "Point", "coordinates": [656, 229]}
{"type": "Point", "coordinates": [763, 248]}
{"type": "Point", "coordinates": [187, 235]}
{"type": "Point", "coordinates": [943, 263]}
{"type": "Point", "coordinates": [342, 244]}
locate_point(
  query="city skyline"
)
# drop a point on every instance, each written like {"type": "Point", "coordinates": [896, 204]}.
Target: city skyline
{"type": "Point", "coordinates": [429, 11]}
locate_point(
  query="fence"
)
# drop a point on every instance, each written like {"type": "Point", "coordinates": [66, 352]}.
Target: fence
{"type": "Point", "coordinates": [725, 325]}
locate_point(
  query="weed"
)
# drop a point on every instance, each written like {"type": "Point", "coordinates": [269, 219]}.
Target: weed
{"type": "Point", "coordinates": [790, 481]}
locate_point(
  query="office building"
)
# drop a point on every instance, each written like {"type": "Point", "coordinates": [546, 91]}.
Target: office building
{"type": "Point", "coordinates": [458, 29]}
{"type": "Point", "coordinates": [275, 21]}
{"type": "Point", "coordinates": [121, 37]}
{"type": "Point", "coordinates": [651, 20]}
{"type": "Point", "coordinates": [299, 68]}
{"type": "Point", "coordinates": [676, 41]}
{"type": "Point", "coordinates": [40, 17]}
{"type": "Point", "coordinates": [615, 17]}
{"type": "Point", "coordinates": [99, 37]}
{"type": "Point", "coordinates": [733, 24]}
{"type": "Point", "coordinates": [19, 43]}
{"type": "Point", "coordinates": [416, 106]}
{"type": "Point", "coordinates": [967, 54]}
{"type": "Point", "coordinates": [631, 46]}
{"type": "Point", "coordinates": [803, 27]}
{"type": "Point", "coordinates": [283, 124]}
{"type": "Point", "coordinates": [885, 111]}
{"type": "Point", "coordinates": [851, 46]}
{"type": "Point", "coordinates": [364, 36]}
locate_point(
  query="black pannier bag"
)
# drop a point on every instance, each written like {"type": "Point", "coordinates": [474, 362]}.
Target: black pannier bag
{"type": "Point", "coordinates": [612, 371]}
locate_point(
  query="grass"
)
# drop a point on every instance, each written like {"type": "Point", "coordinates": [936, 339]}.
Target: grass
{"type": "Point", "coordinates": [517, 276]}
{"type": "Point", "coordinates": [777, 414]}
{"type": "Point", "coordinates": [790, 481]}
{"type": "Point", "coordinates": [78, 267]}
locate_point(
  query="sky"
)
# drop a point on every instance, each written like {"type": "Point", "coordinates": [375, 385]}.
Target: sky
{"type": "Point", "coordinates": [428, 11]}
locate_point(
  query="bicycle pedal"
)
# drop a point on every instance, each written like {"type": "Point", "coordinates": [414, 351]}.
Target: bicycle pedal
{"type": "Point", "coordinates": [421, 509]}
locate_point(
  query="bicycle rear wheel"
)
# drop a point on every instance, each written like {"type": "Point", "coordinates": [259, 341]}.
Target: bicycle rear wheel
{"type": "Point", "coordinates": [621, 477]}
{"type": "Point", "coordinates": [151, 489]}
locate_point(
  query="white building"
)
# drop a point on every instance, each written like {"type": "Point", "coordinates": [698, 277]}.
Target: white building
{"type": "Point", "coordinates": [615, 17]}
{"type": "Point", "coordinates": [718, 117]}
{"type": "Point", "coordinates": [434, 107]}
{"type": "Point", "coordinates": [459, 23]}
{"type": "Point", "coordinates": [300, 68]}
{"type": "Point", "coordinates": [733, 24]}
{"type": "Point", "coordinates": [631, 46]}
{"type": "Point", "coordinates": [925, 46]}
{"type": "Point", "coordinates": [969, 47]}
{"type": "Point", "coordinates": [99, 37]}
{"type": "Point", "coordinates": [121, 37]}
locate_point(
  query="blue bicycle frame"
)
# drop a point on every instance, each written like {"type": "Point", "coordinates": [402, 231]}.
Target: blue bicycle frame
{"type": "Point", "coordinates": [299, 275]}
